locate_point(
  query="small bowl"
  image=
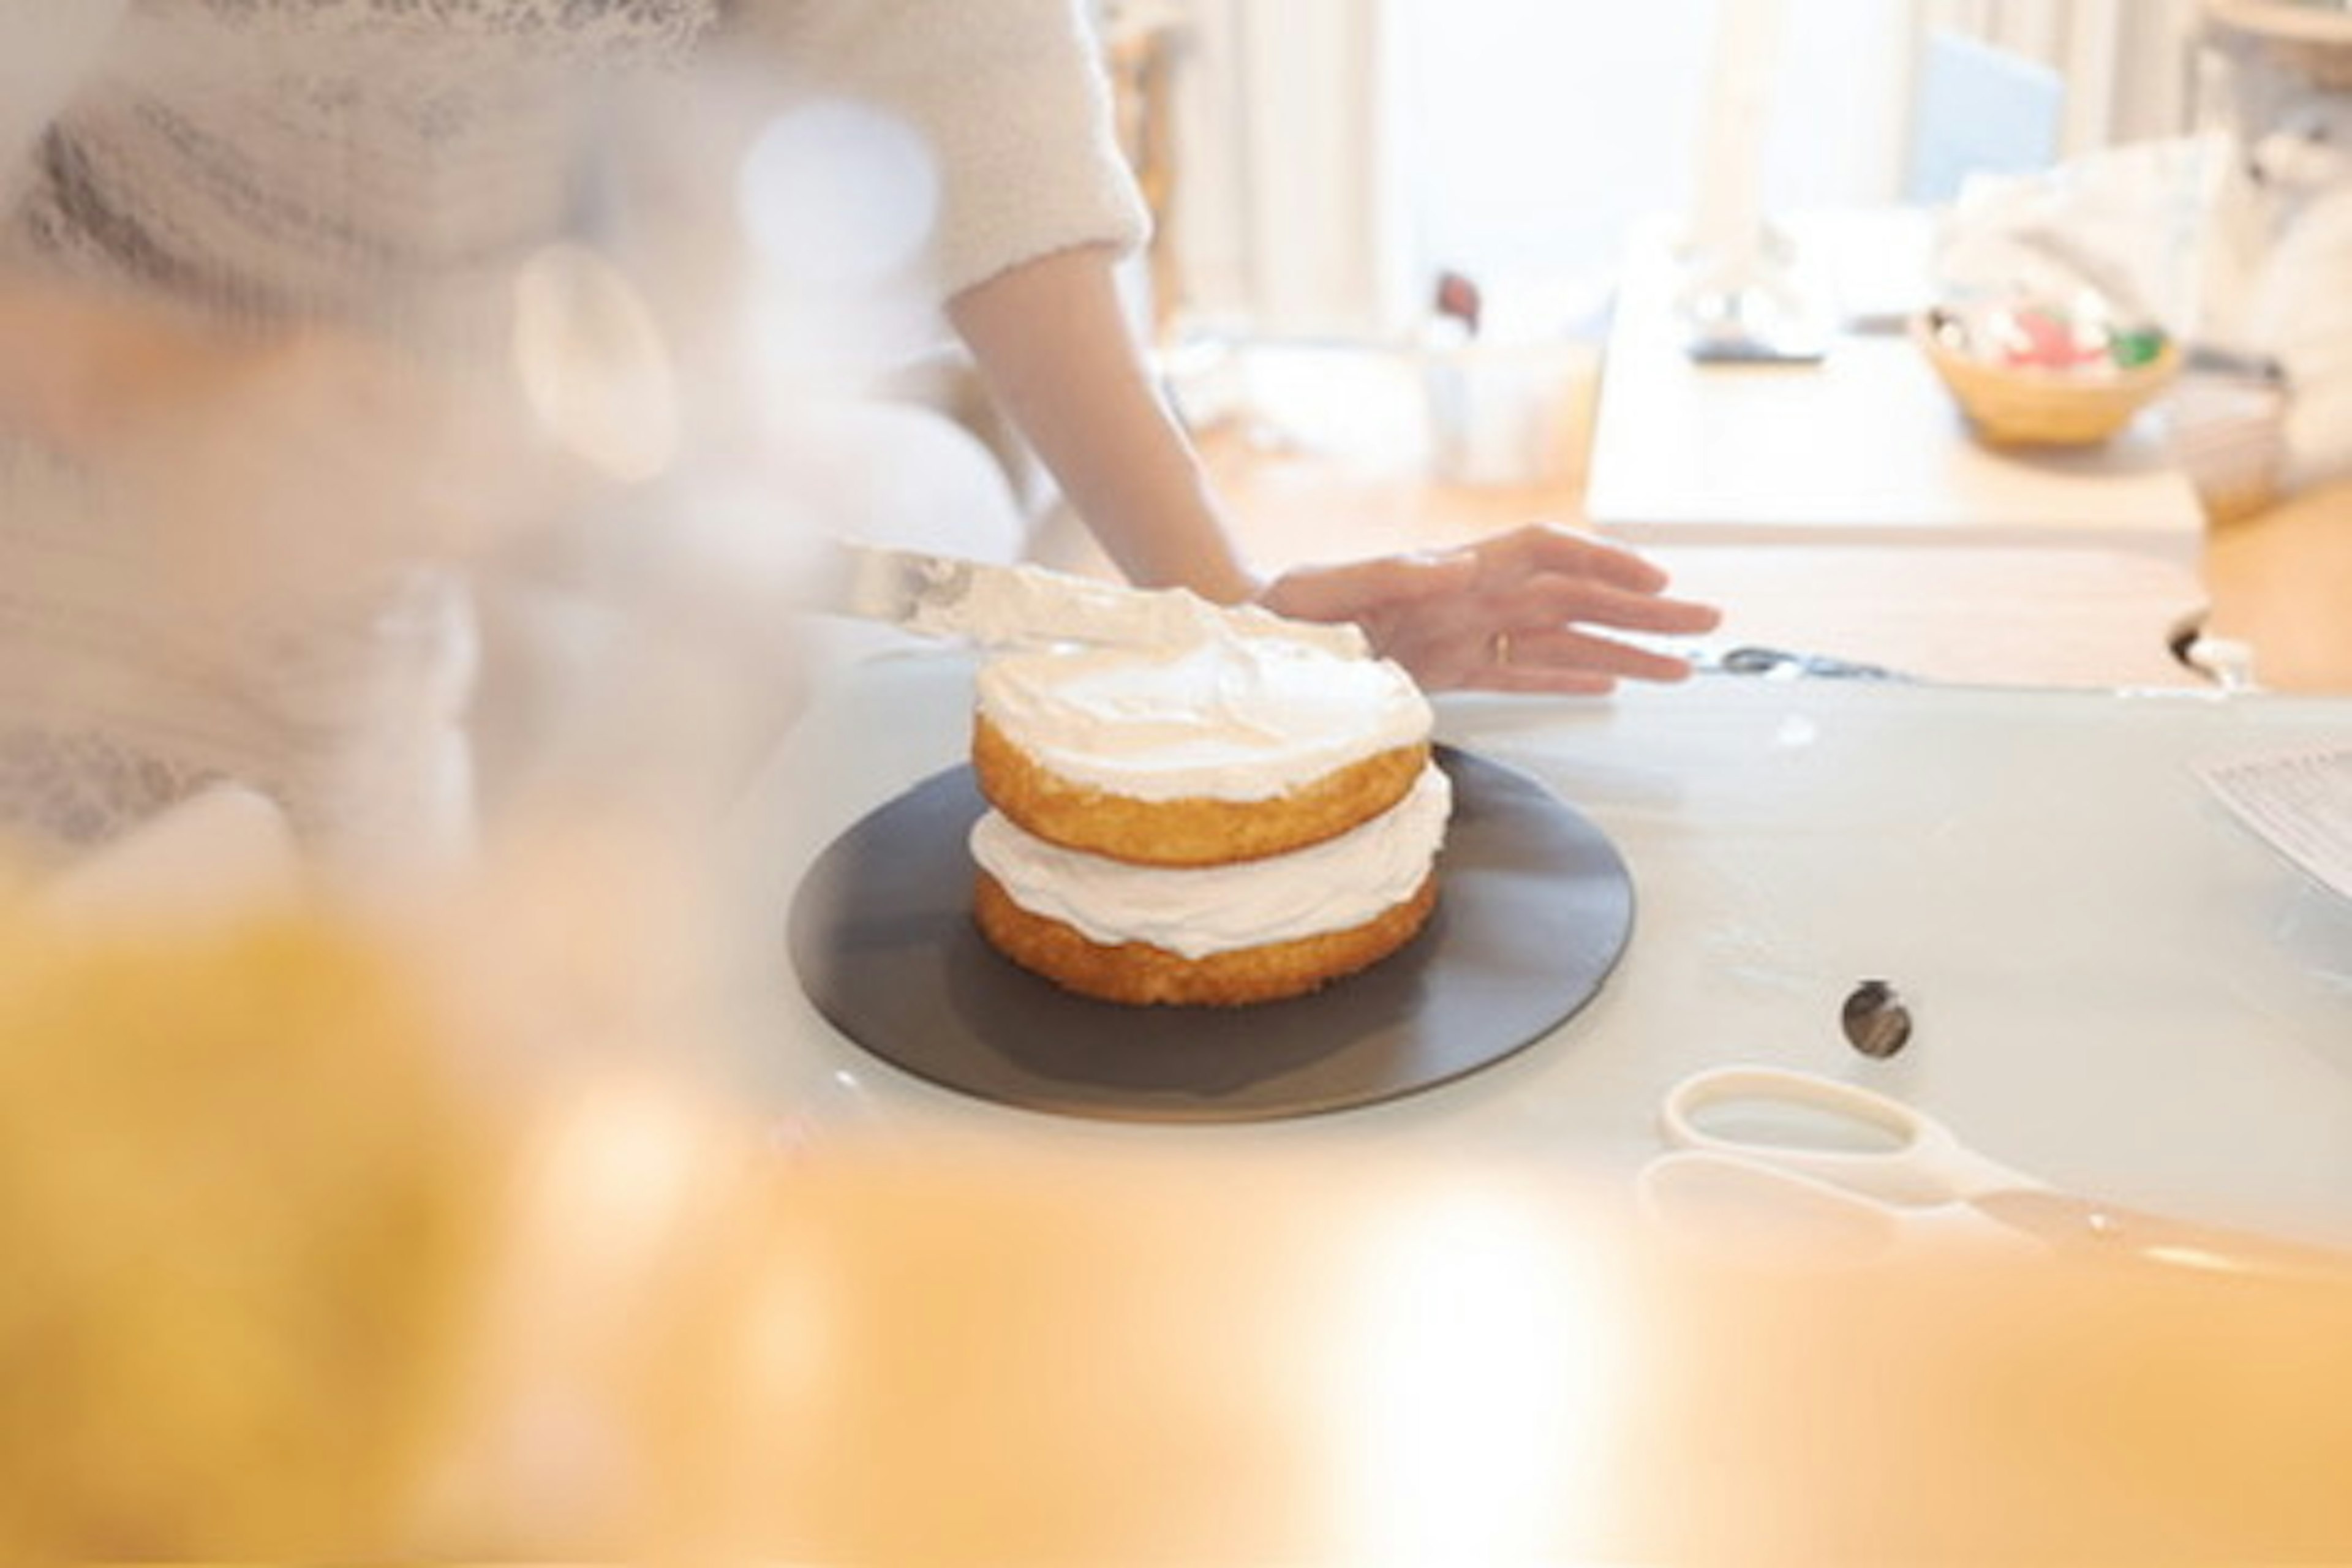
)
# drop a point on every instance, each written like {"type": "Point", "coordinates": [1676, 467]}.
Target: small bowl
{"type": "Point", "coordinates": [2030, 405]}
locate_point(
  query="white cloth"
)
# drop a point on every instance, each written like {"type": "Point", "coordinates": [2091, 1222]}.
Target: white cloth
{"type": "Point", "coordinates": [386, 164]}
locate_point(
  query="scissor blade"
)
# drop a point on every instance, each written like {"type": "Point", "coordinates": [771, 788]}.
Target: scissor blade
{"type": "Point", "coordinates": [2075, 1226]}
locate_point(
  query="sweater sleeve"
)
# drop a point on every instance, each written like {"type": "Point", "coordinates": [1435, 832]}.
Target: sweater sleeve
{"type": "Point", "coordinates": [1012, 97]}
{"type": "Point", "coordinates": [44, 52]}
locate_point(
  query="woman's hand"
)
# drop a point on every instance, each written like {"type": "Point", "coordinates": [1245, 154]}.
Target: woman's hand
{"type": "Point", "coordinates": [1514, 612]}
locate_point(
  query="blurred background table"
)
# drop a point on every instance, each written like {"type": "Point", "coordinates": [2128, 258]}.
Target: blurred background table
{"type": "Point", "coordinates": [1863, 446]}
{"type": "Point", "coordinates": [1330, 457]}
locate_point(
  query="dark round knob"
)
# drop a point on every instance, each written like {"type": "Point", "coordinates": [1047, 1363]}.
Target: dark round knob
{"type": "Point", "coordinates": [1875, 1021]}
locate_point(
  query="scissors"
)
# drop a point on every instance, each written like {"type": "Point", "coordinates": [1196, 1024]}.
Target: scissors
{"type": "Point", "coordinates": [1858, 1175]}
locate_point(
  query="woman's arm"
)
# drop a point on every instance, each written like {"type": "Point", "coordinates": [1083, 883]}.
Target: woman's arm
{"type": "Point", "coordinates": [1055, 345]}
{"type": "Point", "coordinates": [1514, 612]}
{"type": "Point", "coordinates": [1036, 208]}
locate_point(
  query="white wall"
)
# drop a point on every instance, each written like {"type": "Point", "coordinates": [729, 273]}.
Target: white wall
{"type": "Point", "coordinates": [1286, 195]}
{"type": "Point", "coordinates": [1336, 152]}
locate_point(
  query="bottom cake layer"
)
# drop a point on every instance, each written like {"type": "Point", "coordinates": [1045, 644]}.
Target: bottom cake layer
{"type": "Point", "coordinates": [1139, 974]}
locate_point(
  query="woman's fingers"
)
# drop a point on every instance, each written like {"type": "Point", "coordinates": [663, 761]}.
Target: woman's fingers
{"type": "Point", "coordinates": [1559, 600]}
{"type": "Point", "coordinates": [1581, 651]}
{"type": "Point", "coordinates": [1538, 548]}
{"type": "Point", "coordinates": [1511, 613]}
{"type": "Point", "coordinates": [1551, 659]}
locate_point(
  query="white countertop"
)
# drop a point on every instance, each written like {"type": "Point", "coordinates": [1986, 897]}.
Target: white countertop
{"type": "Point", "coordinates": [2116, 987]}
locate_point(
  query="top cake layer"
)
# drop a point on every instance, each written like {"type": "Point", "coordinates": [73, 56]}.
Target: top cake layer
{"type": "Point", "coordinates": [1233, 719]}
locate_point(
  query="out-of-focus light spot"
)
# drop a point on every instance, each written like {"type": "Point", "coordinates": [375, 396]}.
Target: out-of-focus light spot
{"type": "Point", "coordinates": [2195, 1258]}
{"type": "Point", "coordinates": [792, 1330]}
{"type": "Point", "coordinates": [593, 365]}
{"type": "Point", "coordinates": [1478, 1387]}
{"type": "Point", "coordinates": [618, 1177]}
{"type": "Point", "coordinates": [839, 195]}
{"type": "Point", "coordinates": [1796, 733]}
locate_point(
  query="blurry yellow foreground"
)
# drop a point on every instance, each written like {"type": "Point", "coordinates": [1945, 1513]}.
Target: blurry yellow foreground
{"type": "Point", "coordinates": [295, 1268]}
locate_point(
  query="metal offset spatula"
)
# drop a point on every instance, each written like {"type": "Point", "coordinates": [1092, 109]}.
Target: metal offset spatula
{"type": "Point", "coordinates": [1003, 606]}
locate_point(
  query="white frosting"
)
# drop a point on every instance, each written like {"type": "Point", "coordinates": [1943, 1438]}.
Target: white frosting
{"type": "Point", "coordinates": [1335, 885]}
{"type": "Point", "coordinates": [1030, 606]}
{"type": "Point", "coordinates": [1219, 718]}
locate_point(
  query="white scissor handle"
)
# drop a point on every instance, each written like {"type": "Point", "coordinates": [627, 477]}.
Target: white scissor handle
{"type": "Point", "coordinates": [1728, 1207]}
{"type": "Point", "coordinates": [1924, 1163]}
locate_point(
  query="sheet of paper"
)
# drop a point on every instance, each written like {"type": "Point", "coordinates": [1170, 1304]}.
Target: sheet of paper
{"type": "Point", "coordinates": [2300, 802]}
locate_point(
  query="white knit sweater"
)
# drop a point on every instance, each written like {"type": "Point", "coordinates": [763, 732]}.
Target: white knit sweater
{"type": "Point", "coordinates": [386, 164]}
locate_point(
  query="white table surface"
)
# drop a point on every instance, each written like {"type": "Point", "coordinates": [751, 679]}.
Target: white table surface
{"type": "Point", "coordinates": [2114, 986]}
{"type": "Point", "coordinates": [1863, 446]}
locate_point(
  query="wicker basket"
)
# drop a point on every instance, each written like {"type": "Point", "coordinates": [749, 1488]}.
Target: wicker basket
{"type": "Point", "coordinates": [2023, 407]}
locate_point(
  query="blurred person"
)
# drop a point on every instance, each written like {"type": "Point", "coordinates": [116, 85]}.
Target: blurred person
{"type": "Point", "coordinates": [258, 390]}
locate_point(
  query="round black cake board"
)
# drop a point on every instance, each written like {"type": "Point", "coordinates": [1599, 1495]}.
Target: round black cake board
{"type": "Point", "coordinates": [1535, 906]}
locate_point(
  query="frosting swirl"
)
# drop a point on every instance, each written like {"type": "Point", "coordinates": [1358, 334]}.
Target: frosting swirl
{"type": "Point", "coordinates": [1221, 718]}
